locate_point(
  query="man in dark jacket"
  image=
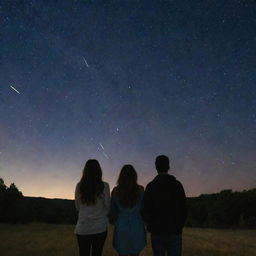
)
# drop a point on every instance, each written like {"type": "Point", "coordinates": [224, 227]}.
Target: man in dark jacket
{"type": "Point", "coordinates": [165, 210]}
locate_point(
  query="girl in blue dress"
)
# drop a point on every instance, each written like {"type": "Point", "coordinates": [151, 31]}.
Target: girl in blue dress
{"type": "Point", "coordinates": [126, 207]}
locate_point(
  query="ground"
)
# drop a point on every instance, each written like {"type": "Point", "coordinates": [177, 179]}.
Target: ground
{"type": "Point", "coordinates": [39, 239]}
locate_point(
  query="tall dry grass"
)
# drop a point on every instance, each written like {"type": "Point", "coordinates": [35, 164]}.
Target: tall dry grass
{"type": "Point", "coordinates": [38, 239]}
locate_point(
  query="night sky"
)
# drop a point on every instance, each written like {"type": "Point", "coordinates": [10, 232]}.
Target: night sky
{"type": "Point", "coordinates": [125, 81]}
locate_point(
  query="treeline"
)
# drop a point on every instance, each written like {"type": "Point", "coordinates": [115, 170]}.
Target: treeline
{"type": "Point", "coordinates": [226, 209]}
{"type": "Point", "coordinates": [9, 198]}
{"type": "Point", "coordinates": [15, 208]}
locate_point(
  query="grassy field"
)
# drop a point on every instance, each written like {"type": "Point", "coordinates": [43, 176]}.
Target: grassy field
{"type": "Point", "coordinates": [52, 240]}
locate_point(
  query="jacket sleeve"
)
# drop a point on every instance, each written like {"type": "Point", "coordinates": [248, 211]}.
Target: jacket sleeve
{"type": "Point", "coordinates": [147, 205]}
{"type": "Point", "coordinates": [182, 205]}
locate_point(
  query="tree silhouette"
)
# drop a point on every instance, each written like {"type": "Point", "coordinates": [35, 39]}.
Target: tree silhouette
{"type": "Point", "coordinates": [2, 186]}
{"type": "Point", "coordinates": [9, 198]}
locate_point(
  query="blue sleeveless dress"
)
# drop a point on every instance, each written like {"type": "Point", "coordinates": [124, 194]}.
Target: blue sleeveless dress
{"type": "Point", "coordinates": [129, 233]}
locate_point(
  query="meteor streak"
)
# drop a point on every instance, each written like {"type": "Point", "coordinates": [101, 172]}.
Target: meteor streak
{"type": "Point", "coordinates": [105, 155]}
{"type": "Point", "coordinates": [86, 62]}
{"type": "Point", "coordinates": [102, 146]}
{"type": "Point", "coordinates": [15, 89]}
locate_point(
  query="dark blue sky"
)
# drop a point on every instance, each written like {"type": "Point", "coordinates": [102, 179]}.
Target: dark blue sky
{"type": "Point", "coordinates": [124, 81]}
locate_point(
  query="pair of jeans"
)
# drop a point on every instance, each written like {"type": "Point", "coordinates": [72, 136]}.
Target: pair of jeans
{"type": "Point", "coordinates": [91, 245]}
{"type": "Point", "coordinates": [170, 245]}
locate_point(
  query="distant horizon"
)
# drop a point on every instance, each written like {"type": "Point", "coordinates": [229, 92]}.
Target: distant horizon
{"type": "Point", "coordinates": [186, 195]}
{"type": "Point", "coordinates": [112, 186]}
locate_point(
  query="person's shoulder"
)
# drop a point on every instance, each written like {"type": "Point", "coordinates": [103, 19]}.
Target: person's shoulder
{"type": "Point", "coordinates": [154, 181]}
{"type": "Point", "coordinates": [179, 187]}
{"type": "Point", "coordinates": [178, 183]}
{"type": "Point", "coordinates": [149, 185]}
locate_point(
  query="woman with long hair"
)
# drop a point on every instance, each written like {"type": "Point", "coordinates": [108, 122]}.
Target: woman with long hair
{"type": "Point", "coordinates": [92, 201]}
{"type": "Point", "coordinates": [126, 207]}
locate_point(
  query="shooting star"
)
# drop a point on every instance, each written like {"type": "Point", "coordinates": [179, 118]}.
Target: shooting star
{"type": "Point", "coordinates": [105, 155]}
{"type": "Point", "coordinates": [15, 89]}
{"type": "Point", "coordinates": [86, 62]}
{"type": "Point", "coordinates": [101, 146]}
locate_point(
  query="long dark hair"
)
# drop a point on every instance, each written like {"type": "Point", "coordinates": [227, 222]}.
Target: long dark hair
{"type": "Point", "coordinates": [91, 184]}
{"type": "Point", "coordinates": [127, 187]}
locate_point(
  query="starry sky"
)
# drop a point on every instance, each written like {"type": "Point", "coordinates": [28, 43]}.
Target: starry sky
{"type": "Point", "coordinates": [125, 81]}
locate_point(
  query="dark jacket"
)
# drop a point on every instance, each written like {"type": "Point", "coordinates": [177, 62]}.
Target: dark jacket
{"type": "Point", "coordinates": [165, 208]}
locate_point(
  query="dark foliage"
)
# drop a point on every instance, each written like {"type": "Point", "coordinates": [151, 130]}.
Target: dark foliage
{"type": "Point", "coordinates": [10, 197]}
{"type": "Point", "coordinates": [226, 209]}
{"type": "Point", "coordinates": [38, 209]}
{"type": "Point", "coordinates": [15, 208]}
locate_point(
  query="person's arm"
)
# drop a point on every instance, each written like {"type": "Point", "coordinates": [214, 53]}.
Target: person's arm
{"type": "Point", "coordinates": [113, 207]}
{"type": "Point", "coordinates": [141, 188]}
{"type": "Point", "coordinates": [77, 198]}
{"type": "Point", "coordinates": [183, 205]}
{"type": "Point", "coordinates": [107, 197]}
{"type": "Point", "coordinates": [147, 204]}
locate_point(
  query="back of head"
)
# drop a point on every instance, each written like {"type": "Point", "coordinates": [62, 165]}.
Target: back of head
{"type": "Point", "coordinates": [127, 187]}
{"type": "Point", "coordinates": [91, 184]}
{"type": "Point", "coordinates": [162, 164]}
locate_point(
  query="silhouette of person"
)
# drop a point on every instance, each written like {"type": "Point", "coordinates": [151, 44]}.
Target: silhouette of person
{"type": "Point", "coordinates": [165, 210]}
{"type": "Point", "coordinates": [126, 205]}
{"type": "Point", "coordinates": [92, 201]}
